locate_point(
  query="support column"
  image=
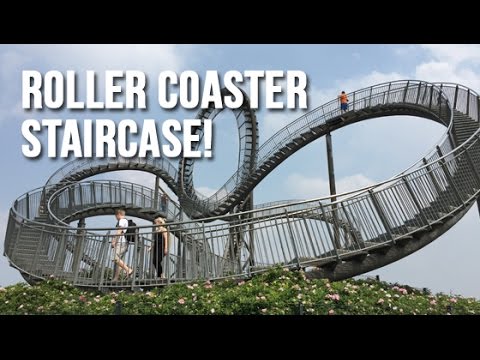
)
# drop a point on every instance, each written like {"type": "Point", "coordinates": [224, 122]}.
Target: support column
{"type": "Point", "coordinates": [333, 189]}
{"type": "Point", "coordinates": [331, 170]}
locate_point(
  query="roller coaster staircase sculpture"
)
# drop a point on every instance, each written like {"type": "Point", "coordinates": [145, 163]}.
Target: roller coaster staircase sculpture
{"type": "Point", "coordinates": [224, 235]}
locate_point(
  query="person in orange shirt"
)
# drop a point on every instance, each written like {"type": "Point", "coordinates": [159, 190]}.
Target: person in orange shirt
{"type": "Point", "coordinates": [343, 102]}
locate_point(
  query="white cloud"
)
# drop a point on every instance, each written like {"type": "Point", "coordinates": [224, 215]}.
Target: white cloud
{"type": "Point", "coordinates": [449, 63]}
{"type": "Point", "coordinates": [454, 54]}
{"type": "Point", "coordinates": [442, 71]}
{"type": "Point", "coordinates": [300, 186]}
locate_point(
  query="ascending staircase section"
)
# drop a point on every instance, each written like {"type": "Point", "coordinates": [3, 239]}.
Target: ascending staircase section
{"type": "Point", "coordinates": [360, 231]}
{"type": "Point", "coordinates": [197, 205]}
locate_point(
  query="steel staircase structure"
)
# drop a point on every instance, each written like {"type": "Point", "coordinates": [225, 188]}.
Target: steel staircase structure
{"type": "Point", "coordinates": [360, 231]}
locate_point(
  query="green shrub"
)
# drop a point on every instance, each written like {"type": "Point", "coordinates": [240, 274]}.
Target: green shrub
{"type": "Point", "coordinates": [278, 291]}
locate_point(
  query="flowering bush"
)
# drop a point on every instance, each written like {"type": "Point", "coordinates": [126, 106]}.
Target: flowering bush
{"type": "Point", "coordinates": [276, 292]}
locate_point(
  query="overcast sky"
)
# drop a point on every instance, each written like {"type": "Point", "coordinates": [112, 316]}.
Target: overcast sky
{"type": "Point", "coordinates": [365, 153]}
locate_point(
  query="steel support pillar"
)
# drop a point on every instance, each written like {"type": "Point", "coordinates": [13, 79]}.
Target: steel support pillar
{"type": "Point", "coordinates": [331, 170]}
{"type": "Point", "coordinates": [333, 189]}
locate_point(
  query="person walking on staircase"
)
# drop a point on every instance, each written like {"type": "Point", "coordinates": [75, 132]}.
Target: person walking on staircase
{"type": "Point", "coordinates": [160, 245]}
{"type": "Point", "coordinates": [343, 102]}
{"type": "Point", "coordinates": [120, 245]}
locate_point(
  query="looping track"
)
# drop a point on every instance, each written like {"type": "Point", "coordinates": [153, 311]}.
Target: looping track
{"type": "Point", "coordinates": [360, 231]}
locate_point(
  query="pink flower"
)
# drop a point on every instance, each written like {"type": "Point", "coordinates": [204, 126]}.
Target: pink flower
{"type": "Point", "coordinates": [241, 283]}
{"type": "Point", "coordinates": [331, 312]}
{"type": "Point", "coordinates": [208, 286]}
{"type": "Point", "coordinates": [433, 302]}
{"type": "Point", "coordinates": [395, 288]}
{"type": "Point", "coordinates": [334, 297]}
{"type": "Point", "coordinates": [403, 291]}
{"type": "Point", "coordinates": [181, 301]}
{"type": "Point", "coordinates": [380, 301]}
{"type": "Point", "coordinates": [82, 298]}
{"type": "Point", "coordinates": [453, 300]}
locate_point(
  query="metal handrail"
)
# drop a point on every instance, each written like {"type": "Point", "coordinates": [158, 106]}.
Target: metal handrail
{"type": "Point", "coordinates": [328, 110]}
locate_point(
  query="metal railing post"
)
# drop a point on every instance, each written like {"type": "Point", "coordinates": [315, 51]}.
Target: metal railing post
{"type": "Point", "coordinates": [415, 201]}
{"type": "Point", "coordinates": [79, 246]}
{"type": "Point", "coordinates": [449, 176]}
{"type": "Point", "coordinates": [405, 92]}
{"type": "Point", "coordinates": [332, 237]}
{"type": "Point", "coordinates": [27, 205]}
{"type": "Point", "coordinates": [280, 240]}
{"type": "Point", "coordinates": [101, 259]}
{"type": "Point", "coordinates": [60, 253]}
{"type": "Point", "coordinates": [119, 194]}
{"type": "Point", "coordinates": [155, 195]}
{"type": "Point", "coordinates": [80, 191]}
{"type": "Point", "coordinates": [37, 250]}
{"type": "Point", "coordinates": [94, 195]}
{"type": "Point", "coordinates": [431, 97]}
{"type": "Point", "coordinates": [167, 261]}
{"type": "Point", "coordinates": [292, 239]}
{"type": "Point", "coordinates": [381, 214]}
{"type": "Point", "coordinates": [134, 260]}
{"type": "Point", "coordinates": [351, 227]}
{"type": "Point", "coordinates": [310, 237]}
{"type": "Point", "coordinates": [478, 109]}
{"type": "Point", "coordinates": [470, 163]}
{"type": "Point", "coordinates": [455, 98]}
{"type": "Point", "coordinates": [468, 103]}
{"type": "Point", "coordinates": [193, 254]}
{"type": "Point", "coordinates": [17, 239]}
{"type": "Point", "coordinates": [434, 180]}
{"type": "Point", "coordinates": [206, 272]}
{"type": "Point", "coordinates": [418, 92]}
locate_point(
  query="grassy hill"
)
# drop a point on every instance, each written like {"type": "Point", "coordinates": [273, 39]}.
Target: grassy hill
{"type": "Point", "coordinates": [276, 292]}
